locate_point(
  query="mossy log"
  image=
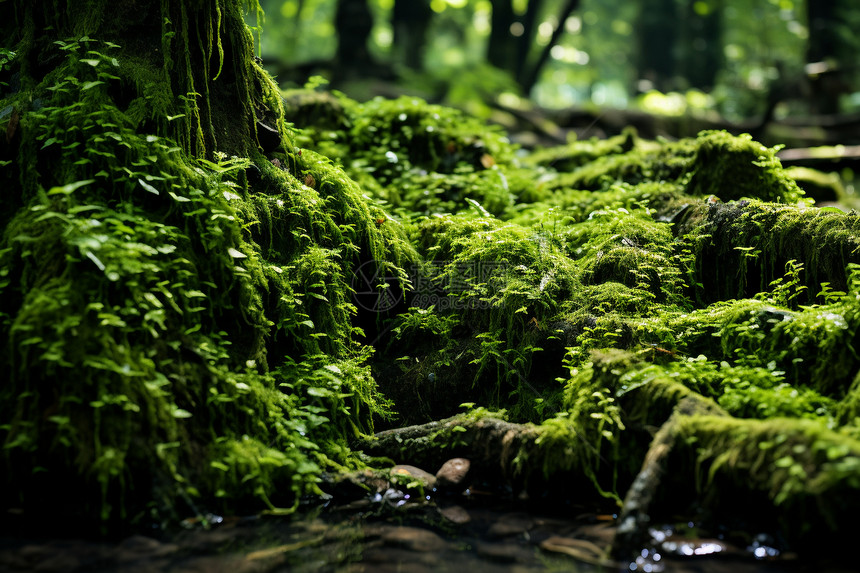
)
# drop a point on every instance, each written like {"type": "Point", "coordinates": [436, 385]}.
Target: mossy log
{"type": "Point", "coordinates": [491, 444]}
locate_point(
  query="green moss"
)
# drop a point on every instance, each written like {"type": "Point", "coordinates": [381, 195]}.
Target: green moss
{"type": "Point", "coordinates": [742, 247]}
{"type": "Point", "coordinates": [177, 271]}
{"type": "Point", "coordinates": [578, 153]}
{"type": "Point", "coordinates": [417, 157]}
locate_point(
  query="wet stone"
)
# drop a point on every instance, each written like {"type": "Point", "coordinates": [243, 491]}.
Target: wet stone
{"type": "Point", "coordinates": [353, 485]}
{"type": "Point", "coordinates": [407, 471]}
{"type": "Point", "coordinates": [139, 546]}
{"type": "Point", "coordinates": [396, 560]}
{"type": "Point", "coordinates": [58, 563]}
{"type": "Point", "coordinates": [453, 473]}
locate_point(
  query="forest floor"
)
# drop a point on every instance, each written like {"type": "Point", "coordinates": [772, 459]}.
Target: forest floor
{"type": "Point", "coordinates": [653, 339]}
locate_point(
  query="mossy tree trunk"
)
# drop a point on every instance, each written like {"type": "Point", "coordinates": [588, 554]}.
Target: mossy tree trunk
{"type": "Point", "coordinates": [174, 321]}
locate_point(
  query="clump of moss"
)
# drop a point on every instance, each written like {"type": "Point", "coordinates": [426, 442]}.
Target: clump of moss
{"type": "Point", "coordinates": [503, 283]}
{"type": "Point", "coordinates": [714, 163]}
{"type": "Point", "coordinates": [418, 157]}
{"type": "Point", "coordinates": [578, 153]}
{"type": "Point", "coordinates": [801, 465]}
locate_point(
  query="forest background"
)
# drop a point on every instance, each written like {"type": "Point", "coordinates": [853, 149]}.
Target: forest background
{"type": "Point", "coordinates": [731, 59]}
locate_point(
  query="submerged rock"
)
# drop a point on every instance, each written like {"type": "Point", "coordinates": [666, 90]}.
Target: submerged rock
{"type": "Point", "coordinates": [414, 538]}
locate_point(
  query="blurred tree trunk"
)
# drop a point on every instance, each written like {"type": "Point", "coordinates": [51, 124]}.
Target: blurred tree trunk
{"type": "Point", "coordinates": [529, 77]}
{"type": "Point", "coordinates": [502, 46]}
{"type": "Point", "coordinates": [353, 22]}
{"type": "Point", "coordinates": [822, 54]}
{"type": "Point", "coordinates": [410, 20]}
{"type": "Point", "coordinates": [512, 37]}
{"type": "Point", "coordinates": [657, 35]}
{"type": "Point", "coordinates": [526, 40]}
{"type": "Point", "coordinates": [702, 39]}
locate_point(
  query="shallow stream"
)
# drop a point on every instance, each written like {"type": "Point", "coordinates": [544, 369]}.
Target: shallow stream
{"type": "Point", "coordinates": [391, 532]}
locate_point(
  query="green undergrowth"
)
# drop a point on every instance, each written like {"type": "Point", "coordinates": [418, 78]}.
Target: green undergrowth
{"type": "Point", "coordinates": [416, 158]}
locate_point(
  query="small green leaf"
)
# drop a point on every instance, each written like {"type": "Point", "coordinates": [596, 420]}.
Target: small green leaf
{"type": "Point", "coordinates": [319, 392]}
{"type": "Point", "coordinates": [148, 187]}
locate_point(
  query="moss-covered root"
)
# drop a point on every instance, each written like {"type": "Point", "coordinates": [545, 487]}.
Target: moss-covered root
{"type": "Point", "coordinates": [548, 462]}
{"type": "Point", "coordinates": [635, 514]}
{"type": "Point", "coordinates": [743, 246]}
{"type": "Point", "coordinates": [794, 478]}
